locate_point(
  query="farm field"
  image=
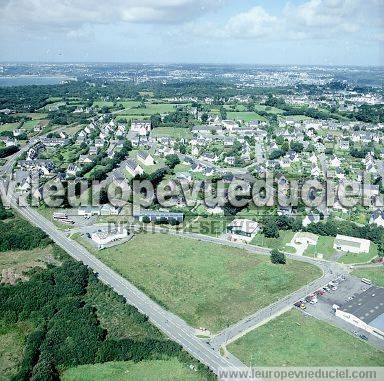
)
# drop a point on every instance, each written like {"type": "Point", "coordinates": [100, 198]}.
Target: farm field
{"type": "Point", "coordinates": [160, 370]}
{"type": "Point", "coordinates": [208, 285]}
{"type": "Point", "coordinates": [375, 274]}
{"type": "Point", "coordinates": [295, 339]}
{"type": "Point", "coordinates": [9, 126]}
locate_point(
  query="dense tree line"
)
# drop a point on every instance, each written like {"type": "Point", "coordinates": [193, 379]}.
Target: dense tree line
{"type": "Point", "coordinates": [370, 113]}
{"type": "Point", "coordinates": [302, 110]}
{"type": "Point", "coordinates": [18, 234]}
{"type": "Point", "coordinates": [10, 118]}
{"type": "Point", "coordinates": [67, 329]}
{"type": "Point", "coordinates": [7, 151]}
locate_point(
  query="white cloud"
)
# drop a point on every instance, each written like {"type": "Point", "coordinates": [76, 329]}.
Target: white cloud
{"type": "Point", "coordinates": [255, 23]}
{"type": "Point", "coordinates": [312, 19]}
{"type": "Point", "coordinates": [70, 13]}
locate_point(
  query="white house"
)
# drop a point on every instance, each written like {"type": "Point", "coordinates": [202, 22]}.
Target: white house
{"type": "Point", "coordinates": [145, 158]}
{"type": "Point", "coordinates": [311, 218]}
{"type": "Point", "coordinates": [141, 127]}
{"type": "Point", "coordinates": [133, 167]}
{"type": "Point", "coordinates": [229, 124]}
{"type": "Point", "coordinates": [242, 230]}
{"type": "Point", "coordinates": [377, 217]}
{"type": "Point", "coordinates": [334, 162]}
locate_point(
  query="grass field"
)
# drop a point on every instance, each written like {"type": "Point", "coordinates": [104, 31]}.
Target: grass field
{"type": "Point", "coordinates": [206, 284]}
{"type": "Point", "coordinates": [294, 339]}
{"type": "Point", "coordinates": [156, 370]}
{"type": "Point", "coordinates": [9, 126]}
{"type": "Point", "coordinates": [246, 116]}
{"type": "Point", "coordinates": [324, 246]}
{"type": "Point", "coordinates": [271, 110]}
{"type": "Point", "coordinates": [375, 274]}
{"type": "Point", "coordinates": [150, 109]}
{"type": "Point", "coordinates": [17, 263]}
{"type": "Point", "coordinates": [12, 338]}
{"type": "Point", "coordinates": [350, 258]}
{"type": "Point", "coordinates": [274, 243]}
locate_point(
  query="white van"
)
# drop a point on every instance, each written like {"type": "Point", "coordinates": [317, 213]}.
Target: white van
{"type": "Point", "coordinates": [366, 281]}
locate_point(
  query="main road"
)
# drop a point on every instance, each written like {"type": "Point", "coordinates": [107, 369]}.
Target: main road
{"type": "Point", "coordinates": [174, 327]}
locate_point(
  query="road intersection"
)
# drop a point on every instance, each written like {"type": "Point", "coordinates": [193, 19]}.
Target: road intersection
{"type": "Point", "coordinates": [207, 351]}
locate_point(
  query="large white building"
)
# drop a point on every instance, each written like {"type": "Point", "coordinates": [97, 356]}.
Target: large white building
{"type": "Point", "coordinates": [351, 244]}
{"type": "Point", "coordinates": [105, 237]}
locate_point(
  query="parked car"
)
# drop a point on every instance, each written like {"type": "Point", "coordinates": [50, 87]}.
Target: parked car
{"type": "Point", "coordinates": [363, 337]}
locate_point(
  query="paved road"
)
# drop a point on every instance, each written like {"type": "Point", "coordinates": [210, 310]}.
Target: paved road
{"type": "Point", "coordinates": [174, 327]}
{"type": "Point", "coordinates": [170, 324]}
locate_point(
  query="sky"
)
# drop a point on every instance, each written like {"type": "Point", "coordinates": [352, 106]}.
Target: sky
{"type": "Point", "coordinates": [295, 32]}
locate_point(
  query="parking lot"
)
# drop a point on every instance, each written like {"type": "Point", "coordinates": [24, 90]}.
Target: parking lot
{"type": "Point", "coordinates": [348, 292]}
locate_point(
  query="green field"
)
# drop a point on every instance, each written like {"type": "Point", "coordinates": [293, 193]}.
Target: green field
{"type": "Point", "coordinates": [324, 246]}
{"type": "Point", "coordinates": [274, 243]}
{"type": "Point", "coordinates": [350, 258]}
{"type": "Point", "coordinates": [150, 109]}
{"type": "Point", "coordinates": [156, 370]}
{"type": "Point", "coordinates": [271, 110]}
{"type": "Point", "coordinates": [295, 339]}
{"type": "Point", "coordinates": [246, 116]}
{"type": "Point", "coordinates": [208, 285]}
{"type": "Point", "coordinates": [375, 274]}
{"type": "Point", "coordinates": [12, 338]}
{"type": "Point", "coordinates": [9, 126]}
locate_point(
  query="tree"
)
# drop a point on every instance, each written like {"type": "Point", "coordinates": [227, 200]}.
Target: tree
{"type": "Point", "coordinates": [172, 160]}
{"type": "Point", "coordinates": [204, 117]}
{"type": "Point", "coordinates": [297, 147]}
{"type": "Point", "coordinates": [276, 154]}
{"type": "Point", "coordinates": [146, 219]}
{"type": "Point", "coordinates": [223, 113]}
{"type": "Point", "coordinates": [156, 120]}
{"type": "Point", "coordinates": [277, 257]}
{"type": "Point", "coordinates": [271, 229]}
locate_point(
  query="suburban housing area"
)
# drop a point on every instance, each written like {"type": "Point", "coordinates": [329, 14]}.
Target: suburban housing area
{"type": "Point", "coordinates": [105, 278]}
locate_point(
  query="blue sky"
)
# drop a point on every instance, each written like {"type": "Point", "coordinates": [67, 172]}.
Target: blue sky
{"type": "Point", "coordinates": [338, 32]}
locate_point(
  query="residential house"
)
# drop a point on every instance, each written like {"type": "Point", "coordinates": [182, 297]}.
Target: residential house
{"type": "Point", "coordinates": [377, 217]}
{"type": "Point", "coordinates": [145, 158]}
{"type": "Point", "coordinates": [133, 168]}
{"type": "Point", "coordinates": [141, 127]}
